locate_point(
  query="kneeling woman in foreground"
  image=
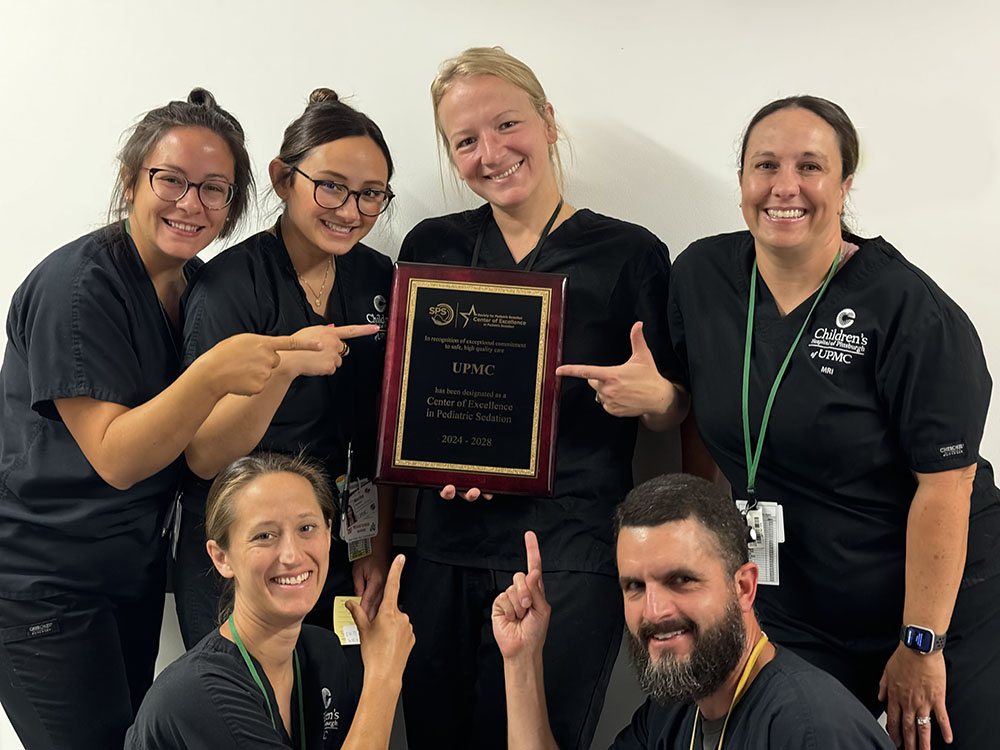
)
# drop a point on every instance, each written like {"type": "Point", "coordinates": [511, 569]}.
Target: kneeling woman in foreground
{"type": "Point", "coordinates": [263, 679]}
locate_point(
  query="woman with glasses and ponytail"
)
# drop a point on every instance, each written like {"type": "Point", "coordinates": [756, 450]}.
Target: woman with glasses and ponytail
{"type": "Point", "coordinates": [96, 415]}
{"type": "Point", "coordinates": [310, 269]}
{"type": "Point", "coordinates": [263, 679]}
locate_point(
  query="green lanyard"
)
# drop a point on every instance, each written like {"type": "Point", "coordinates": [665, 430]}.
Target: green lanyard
{"type": "Point", "coordinates": [753, 454]}
{"type": "Point", "coordinates": [260, 684]}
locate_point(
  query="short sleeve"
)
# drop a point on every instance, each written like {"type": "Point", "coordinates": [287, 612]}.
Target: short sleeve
{"type": "Point", "coordinates": [833, 720]}
{"type": "Point", "coordinates": [935, 384]}
{"type": "Point", "coordinates": [222, 300]}
{"type": "Point", "coordinates": [75, 328]}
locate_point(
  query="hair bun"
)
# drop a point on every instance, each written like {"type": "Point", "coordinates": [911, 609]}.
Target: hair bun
{"type": "Point", "coordinates": [322, 95]}
{"type": "Point", "coordinates": [202, 98]}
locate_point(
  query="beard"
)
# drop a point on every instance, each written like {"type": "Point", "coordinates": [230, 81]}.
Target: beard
{"type": "Point", "coordinates": [716, 653]}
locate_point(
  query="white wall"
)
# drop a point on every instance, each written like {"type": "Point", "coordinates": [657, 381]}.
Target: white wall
{"type": "Point", "coordinates": [653, 96]}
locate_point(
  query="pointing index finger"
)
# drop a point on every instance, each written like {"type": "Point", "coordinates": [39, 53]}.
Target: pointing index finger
{"type": "Point", "coordinates": [531, 548]}
{"type": "Point", "coordinates": [589, 372]}
{"type": "Point", "coordinates": [353, 332]}
{"type": "Point", "coordinates": [391, 592]}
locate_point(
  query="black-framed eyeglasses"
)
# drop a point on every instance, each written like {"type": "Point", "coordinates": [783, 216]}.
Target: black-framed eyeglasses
{"type": "Point", "coordinates": [330, 194]}
{"type": "Point", "coordinates": [169, 185]}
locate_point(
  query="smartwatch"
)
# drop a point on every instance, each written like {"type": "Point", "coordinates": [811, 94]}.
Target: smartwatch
{"type": "Point", "coordinates": [922, 640]}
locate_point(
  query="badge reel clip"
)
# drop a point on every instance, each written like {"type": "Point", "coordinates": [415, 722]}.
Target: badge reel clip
{"type": "Point", "coordinates": [754, 518]}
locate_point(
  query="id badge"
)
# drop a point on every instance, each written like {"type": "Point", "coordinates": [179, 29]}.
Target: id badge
{"type": "Point", "coordinates": [359, 522]}
{"type": "Point", "coordinates": [768, 522]}
{"type": "Point", "coordinates": [343, 623]}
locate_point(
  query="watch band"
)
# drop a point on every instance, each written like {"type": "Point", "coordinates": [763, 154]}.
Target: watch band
{"type": "Point", "coordinates": [937, 639]}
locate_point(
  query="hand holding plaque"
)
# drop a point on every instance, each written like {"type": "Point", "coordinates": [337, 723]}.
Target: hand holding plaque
{"type": "Point", "coordinates": [469, 395]}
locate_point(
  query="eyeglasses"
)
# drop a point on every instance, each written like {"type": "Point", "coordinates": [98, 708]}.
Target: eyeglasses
{"type": "Point", "coordinates": [172, 186]}
{"type": "Point", "coordinates": [329, 194]}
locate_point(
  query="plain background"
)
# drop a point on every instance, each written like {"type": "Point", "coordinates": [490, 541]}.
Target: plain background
{"type": "Point", "coordinates": [652, 97]}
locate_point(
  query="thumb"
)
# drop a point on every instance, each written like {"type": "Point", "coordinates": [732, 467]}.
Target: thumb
{"type": "Point", "coordinates": [640, 350]}
{"type": "Point", "coordinates": [359, 615]}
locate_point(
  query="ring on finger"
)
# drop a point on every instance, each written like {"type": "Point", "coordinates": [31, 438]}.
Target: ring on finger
{"type": "Point", "coordinates": [923, 721]}
{"type": "Point", "coordinates": [346, 350]}
{"type": "Point", "coordinates": [597, 397]}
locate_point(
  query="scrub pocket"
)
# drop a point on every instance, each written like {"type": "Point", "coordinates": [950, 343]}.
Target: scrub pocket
{"type": "Point", "coordinates": [62, 676]}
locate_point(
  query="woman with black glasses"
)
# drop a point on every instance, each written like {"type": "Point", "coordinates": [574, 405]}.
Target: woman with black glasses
{"type": "Point", "coordinates": [309, 269]}
{"type": "Point", "coordinates": [96, 414]}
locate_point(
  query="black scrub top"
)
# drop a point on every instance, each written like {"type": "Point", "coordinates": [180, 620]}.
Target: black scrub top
{"type": "Point", "coordinates": [790, 705]}
{"type": "Point", "coordinates": [889, 378]}
{"type": "Point", "coordinates": [208, 699]}
{"type": "Point", "coordinates": [618, 274]}
{"type": "Point", "coordinates": [85, 323]}
{"type": "Point", "coordinates": [253, 288]}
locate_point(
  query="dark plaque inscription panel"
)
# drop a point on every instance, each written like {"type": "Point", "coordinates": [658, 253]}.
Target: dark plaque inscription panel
{"type": "Point", "coordinates": [469, 394]}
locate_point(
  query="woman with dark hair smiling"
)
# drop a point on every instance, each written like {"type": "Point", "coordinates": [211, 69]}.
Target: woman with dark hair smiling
{"type": "Point", "coordinates": [96, 416]}
{"type": "Point", "coordinates": [309, 271]}
{"type": "Point", "coordinates": [263, 679]}
{"type": "Point", "coordinates": [834, 378]}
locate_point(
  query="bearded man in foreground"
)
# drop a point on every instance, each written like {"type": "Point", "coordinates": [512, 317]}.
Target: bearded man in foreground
{"type": "Point", "coordinates": [712, 678]}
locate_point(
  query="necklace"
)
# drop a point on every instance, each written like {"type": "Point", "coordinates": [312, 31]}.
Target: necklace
{"type": "Point", "coordinates": [322, 287]}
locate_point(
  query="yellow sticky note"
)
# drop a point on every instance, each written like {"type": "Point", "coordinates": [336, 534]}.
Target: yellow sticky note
{"type": "Point", "coordinates": [343, 622]}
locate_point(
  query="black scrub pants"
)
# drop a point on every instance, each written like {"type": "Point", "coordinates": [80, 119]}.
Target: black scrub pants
{"type": "Point", "coordinates": [453, 687]}
{"type": "Point", "coordinates": [971, 655]}
{"type": "Point", "coordinates": [197, 584]}
{"type": "Point", "coordinates": [74, 668]}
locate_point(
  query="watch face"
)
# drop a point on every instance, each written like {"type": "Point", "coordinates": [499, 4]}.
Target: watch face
{"type": "Point", "coordinates": [919, 639]}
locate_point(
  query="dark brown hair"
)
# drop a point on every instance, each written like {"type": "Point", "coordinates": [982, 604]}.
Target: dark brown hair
{"type": "Point", "coordinates": [327, 119]}
{"type": "Point", "coordinates": [677, 497]}
{"type": "Point", "coordinates": [199, 111]}
{"type": "Point", "coordinates": [832, 114]}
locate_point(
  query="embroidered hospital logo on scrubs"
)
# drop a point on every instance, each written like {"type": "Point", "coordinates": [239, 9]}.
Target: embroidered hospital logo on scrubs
{"type": "Point", "coordinates": [845, 318]}
{"type": "Point", "coordinates": [833, 345]}
{"type": "Point", "coordinates": [378, 317]}
{"type": "Point", "coordinates": [331, 716]}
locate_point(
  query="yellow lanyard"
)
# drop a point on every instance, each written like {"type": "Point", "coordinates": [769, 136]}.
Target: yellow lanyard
{"type": "Point", "coordinates": [761, 642]}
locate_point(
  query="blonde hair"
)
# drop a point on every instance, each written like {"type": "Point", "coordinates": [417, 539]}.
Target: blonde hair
{"type": "Point", "coordinates": [491, 61]}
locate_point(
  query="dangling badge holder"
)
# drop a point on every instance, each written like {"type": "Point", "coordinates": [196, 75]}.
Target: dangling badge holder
{"type": "Point", "coordinates": [765, 531]}
{"type": "Point", "coordinates": [766, 520]}
{"type": "Point", "coordinates": [358, 511]}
